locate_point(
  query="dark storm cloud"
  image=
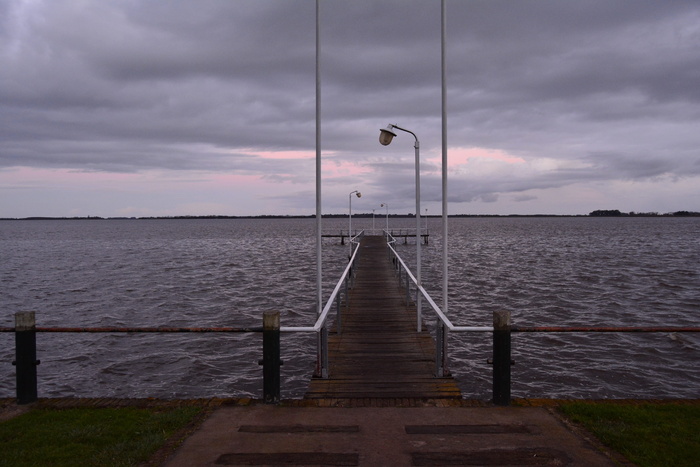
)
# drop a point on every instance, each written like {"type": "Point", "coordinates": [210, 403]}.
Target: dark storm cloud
{"type": "Point", "coordinates": [607, 89]}
{"type": "Point", "coordinates": [155, 74]}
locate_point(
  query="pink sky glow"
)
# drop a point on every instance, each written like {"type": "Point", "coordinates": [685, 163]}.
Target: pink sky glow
{"type": "Point", "coordinates": [460, 156]}
{"type": "Point", "coordinates": [281, 154]}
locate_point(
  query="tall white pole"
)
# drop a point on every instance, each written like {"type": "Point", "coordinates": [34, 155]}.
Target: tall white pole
{"type": "Point", "coordinates": [418, 261]}
{"type": "Point", "coordinates": [444, 185]}
{"type": "Point", "coordinates": [386, 205]}
{"type": "Point", "coordinates": [357, 193]}
{"type": "Point", "coordinates": [444, 162]}
{"type": "Point", "coordinates": [319, 263]}
{"type": "Point", "coordinates": [387, 218]}
{"type": "Point", "coordinates": [350, 222]}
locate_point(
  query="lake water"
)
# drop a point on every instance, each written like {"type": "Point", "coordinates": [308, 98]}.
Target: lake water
{"type": "Point", "coordinates": [546, 271]}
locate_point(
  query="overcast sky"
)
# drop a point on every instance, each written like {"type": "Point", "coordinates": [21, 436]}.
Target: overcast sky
{"type": "Point", "coordinates": [150, 108]}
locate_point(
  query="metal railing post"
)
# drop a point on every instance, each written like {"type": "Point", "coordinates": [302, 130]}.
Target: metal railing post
{"type": "Point", "coordinates": [501, 357]}
{"type": "Point", "coordinates": [271, 357]}
{"type": "Point", "coordinates": [445, 355]}
{"type": "Point", "coordinates": [419, 310]}
{"type": "Point", "coordinates": [408, 289]}
{"type": "Point", "coordinates": [25, 357]}
{"type": "Point", "coordinates": [441, 334]}
{"type": "Point", "coordinates": [347, 302]}
{"type": "Point", "coordinates": [324, 352]}
{"type": "Point", "coordinates": [439, 347]}
{"type": "Point", "coordinates": [338, 313]}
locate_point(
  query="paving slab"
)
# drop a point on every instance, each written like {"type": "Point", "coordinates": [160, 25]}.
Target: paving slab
{"type": "Point", "coordinates": [385, 436]}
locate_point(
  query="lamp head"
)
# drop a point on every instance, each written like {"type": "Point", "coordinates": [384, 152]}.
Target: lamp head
{"type": "Point", "coordinates": [386, 135]}
{"type": "Point", "coordinates": [359, 195]}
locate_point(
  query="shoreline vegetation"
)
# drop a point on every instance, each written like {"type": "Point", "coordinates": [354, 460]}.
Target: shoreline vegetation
{"type": "Point", "coordinates": [597, 213]}
{"type": "Point", "coordinates": [650, 433]}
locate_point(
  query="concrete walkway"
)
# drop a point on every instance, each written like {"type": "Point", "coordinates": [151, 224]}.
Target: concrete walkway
{"type": "Point", "coordinates": [385, 436]}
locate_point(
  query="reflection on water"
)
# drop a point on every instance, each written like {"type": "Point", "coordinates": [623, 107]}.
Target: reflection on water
{"type": "Point", "coordinates": [546, 271]}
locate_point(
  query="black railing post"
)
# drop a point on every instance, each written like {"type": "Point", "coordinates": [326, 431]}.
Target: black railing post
{"type": "Point", "coordinates": [271, 357]}
{"type": "Point", "coordinates": [501, 358]}
{"type": "Point", "coordinates": [441, 334]}
{"type": "Point", "coordinates": [25, 357]}
{"type": "Point", "coordinates": [338, 313]}
{"type": "Point", "coordinates": [347, 287]}
{"type": "Point", "coordinates": [324, 351]}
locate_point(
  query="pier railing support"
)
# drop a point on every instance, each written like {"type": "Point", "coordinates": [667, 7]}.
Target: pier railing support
{"type": "Point", "coordinates": [322, 353]}
{"type": "Point", "coordinates": [501, 358]}
{"type": "Point", "coordinates": [271, 357]}
{"type": "Point", "coordinates": [25, 357]}
{"type": "Point", "coordinates": [323, 335]}
{"type": "Point", "coordinates": [339, 313]}
{"type": "Point", "coordinates": [441, 369]}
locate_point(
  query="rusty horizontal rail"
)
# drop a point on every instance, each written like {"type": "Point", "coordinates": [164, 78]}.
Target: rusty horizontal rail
{"type": "Point", "coordinates": [26, 360]}
{"type": "Point", "coordinates": [604, 329]}
{"type": "Point", "coordinates": [138, 329]}
{"type": "Point", "coordinates": [459, 328]}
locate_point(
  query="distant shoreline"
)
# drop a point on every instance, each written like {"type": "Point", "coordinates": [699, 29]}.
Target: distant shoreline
{"type": "Point", "coordinates": [602, 213]}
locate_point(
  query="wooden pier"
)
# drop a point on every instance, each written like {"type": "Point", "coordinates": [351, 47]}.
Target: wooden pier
{"type": "Point", "coordinates": [405, 234]}
{"type": "Point", "coordinates": [378, 353]}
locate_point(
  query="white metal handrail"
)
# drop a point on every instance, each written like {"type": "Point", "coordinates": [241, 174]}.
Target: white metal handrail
{"type": "Point", "coordinates": [400, 232]}
{"type": "Point", "coordinates": [342, 232]}
{"type": "Point", "coordinates": [441, 316]}
{"type": "Point", "coordinates": [444, 324]}
{"type": "Point", "coordinates": [320, 327]}
{"type": "Point", "coordinates": [321, 320]}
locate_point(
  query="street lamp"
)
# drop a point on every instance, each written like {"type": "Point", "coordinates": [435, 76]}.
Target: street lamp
{"type": "Point", "coordinates": [385, 136]}
{"type": "Point", "coordinates": [386, 205]}
{"type": "Point", "coordinates": [359, 195]}
{"type": "Point", "coordinates": [426, 226]}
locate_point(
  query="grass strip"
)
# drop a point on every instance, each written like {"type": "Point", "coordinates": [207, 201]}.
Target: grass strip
{"type": "Point", "coordinates": [647, 434]}
{"type": "Point", "coordinates": [89, 436]}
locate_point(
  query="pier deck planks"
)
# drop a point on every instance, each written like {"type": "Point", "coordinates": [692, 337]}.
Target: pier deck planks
{"type": "Point", "coordinates": [379, 353]}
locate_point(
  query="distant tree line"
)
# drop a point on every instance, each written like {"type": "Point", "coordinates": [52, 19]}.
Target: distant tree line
{"type": "Point", "coordinates": [618, 213]}
{"type": "Point", "coordinates": [597, 213]}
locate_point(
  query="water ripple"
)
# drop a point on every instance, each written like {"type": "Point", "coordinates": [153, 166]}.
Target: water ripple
{"type": "Point", "coordinates": [547, 272]}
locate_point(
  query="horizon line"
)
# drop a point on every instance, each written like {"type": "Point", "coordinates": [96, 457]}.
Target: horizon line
{"type": "Point", "coordinates": [597, 213]}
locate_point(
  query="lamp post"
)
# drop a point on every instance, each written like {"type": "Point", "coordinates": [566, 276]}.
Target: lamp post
{"type": "Point", "coordinates": [426, 226]}
{"type": "Point", "coordinates": [387, 215]}
{"type": "Point", "coordinates": [322, 337]}
{"type": "Point", "coordinates": [359, 195]}
{"type": "Point", "coordinates": [385, 137]}
{"type": "Point", "coordinates": [442, 369]}
{"type": "Point", "coordinates": [373, 221]}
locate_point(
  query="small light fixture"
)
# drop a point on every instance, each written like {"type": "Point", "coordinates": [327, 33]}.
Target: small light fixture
{"type": "Point", "coordinates": [386, 135]}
